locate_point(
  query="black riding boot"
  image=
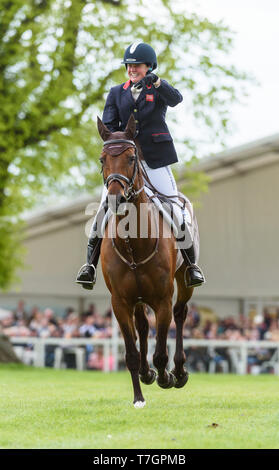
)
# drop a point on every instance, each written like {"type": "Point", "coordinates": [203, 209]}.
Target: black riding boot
{"type": "Point", "coordinates": [87, 273]}
{"type": "Point", "coordinates": [193, 275]}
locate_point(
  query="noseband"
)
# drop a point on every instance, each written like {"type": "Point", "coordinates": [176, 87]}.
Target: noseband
{"type": "Point", "coordinates": [127, 183]}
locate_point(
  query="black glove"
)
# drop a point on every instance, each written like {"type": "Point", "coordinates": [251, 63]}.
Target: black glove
{"type": "Point", "coordinates": [148, 80]}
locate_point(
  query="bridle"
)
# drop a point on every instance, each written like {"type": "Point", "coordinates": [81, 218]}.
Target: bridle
{"type": "Point", "coordinates": [130, 193]}
{"type": "Point", "coordinates": [126, 183]}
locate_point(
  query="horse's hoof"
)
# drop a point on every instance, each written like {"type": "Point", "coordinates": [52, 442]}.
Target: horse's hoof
{"type": "Point", "coordinates": [150, 378]}
{"type": "Point", "coordinates": [181, 380]}
{"type": "Point", "coordinates": [139, 404]}
{"type": "Point", "coordinates": [170, 383]}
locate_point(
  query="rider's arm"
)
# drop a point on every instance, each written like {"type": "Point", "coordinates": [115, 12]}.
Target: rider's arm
{"type": "Point", "coordinates": [110, 114]}
{"type": "Point", "coordinates": [171, 96]}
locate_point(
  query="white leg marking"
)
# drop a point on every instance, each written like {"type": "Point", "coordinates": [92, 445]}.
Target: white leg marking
{"type": "Point", "coordinates": [139, 404]}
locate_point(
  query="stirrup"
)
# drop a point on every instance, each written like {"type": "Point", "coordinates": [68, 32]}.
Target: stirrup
{"type": "Point", "coordinates": [188, 281]}
{"type": "Point", "coordinates": [90, 283]}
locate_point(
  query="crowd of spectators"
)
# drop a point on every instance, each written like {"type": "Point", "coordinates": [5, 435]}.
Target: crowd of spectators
{"type": "Point", "coordinates": [91, 324]}
{"type": "Point", "coordinates": [252, 327]}
{"type": "Point", "coordinates": [46, 324]}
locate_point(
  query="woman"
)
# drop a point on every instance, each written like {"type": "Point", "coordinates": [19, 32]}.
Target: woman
{"type": "Point", "coordinates": [147, 97]}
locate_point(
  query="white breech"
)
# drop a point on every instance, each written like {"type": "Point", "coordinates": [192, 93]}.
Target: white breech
{"type": "Point", "coordinates": [163, 180]}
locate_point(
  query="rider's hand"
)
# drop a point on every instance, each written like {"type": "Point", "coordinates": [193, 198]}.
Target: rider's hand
{"type": "Point", "coordinates": [148, 80]}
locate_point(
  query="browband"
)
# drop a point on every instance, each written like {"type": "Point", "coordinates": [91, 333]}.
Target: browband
{"type": "Point", "coordinates": [115, 147]}
{"type": "Point", "coordinates": [115, 141]}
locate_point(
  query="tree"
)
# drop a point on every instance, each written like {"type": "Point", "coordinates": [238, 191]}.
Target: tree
{"type": "Point", "coordinates": [58, 59]}
{"type": "Point", "coordinates": [7, 353]}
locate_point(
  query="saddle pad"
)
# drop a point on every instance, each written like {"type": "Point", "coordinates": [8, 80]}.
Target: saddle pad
{"type": "Point", "coordinates": [193, 226]}
{"type": "Point", "coordinates": [190, 219]}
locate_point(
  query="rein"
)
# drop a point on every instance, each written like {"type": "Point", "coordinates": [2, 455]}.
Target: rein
{"type": "Point", "coordinates": [129, 192]}
{"type": "Point", "coordinates": [158, 193]}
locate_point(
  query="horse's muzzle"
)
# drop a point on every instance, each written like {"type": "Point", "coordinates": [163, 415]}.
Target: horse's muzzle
{"type": "Point", "coordinates": [117, 204]}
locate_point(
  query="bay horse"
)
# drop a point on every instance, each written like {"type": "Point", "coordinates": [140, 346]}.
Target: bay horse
{"type": "Point", "coordinates": [141, 271]}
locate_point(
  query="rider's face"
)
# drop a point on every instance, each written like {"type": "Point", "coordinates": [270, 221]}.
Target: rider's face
{"type": "Point", "coordinates": [136, 72]}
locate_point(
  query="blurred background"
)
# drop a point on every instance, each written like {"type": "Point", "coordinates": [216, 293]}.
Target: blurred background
{"type": "Point", "coordinates": [58, 61]}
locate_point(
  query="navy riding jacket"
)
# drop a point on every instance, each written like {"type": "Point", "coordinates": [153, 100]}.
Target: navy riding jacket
{"type": "Point", "coordinates": [149, 111]}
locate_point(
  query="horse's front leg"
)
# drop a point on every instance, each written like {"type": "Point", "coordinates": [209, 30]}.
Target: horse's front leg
{"type": "Point", "coordinates": [147, 375]}
{"type": "Point", "coordinates": [160, 358]}
{"type": "Point", "coordinates": [124, 315]}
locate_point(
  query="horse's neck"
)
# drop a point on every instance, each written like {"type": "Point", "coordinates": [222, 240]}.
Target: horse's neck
{"type": "Point", "coordinates": [141, 225]}
{"type": "Point", "coordinates": [142, 205]}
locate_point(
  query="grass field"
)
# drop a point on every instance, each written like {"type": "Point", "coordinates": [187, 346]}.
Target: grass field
{"type": "Point", "coordinates": [46, 408]}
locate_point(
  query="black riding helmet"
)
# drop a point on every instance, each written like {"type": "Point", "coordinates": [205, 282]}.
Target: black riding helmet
{"type": "Point", "coordinates": [140, 53]}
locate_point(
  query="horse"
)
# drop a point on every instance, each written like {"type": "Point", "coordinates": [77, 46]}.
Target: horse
{"type": "Point", "coordinates": [140, 272]}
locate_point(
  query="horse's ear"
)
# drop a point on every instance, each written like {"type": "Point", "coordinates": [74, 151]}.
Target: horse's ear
{"type": "Point", "coordinates": [131, 128]}
{"type": "Point", "coordinates": [103, 130]}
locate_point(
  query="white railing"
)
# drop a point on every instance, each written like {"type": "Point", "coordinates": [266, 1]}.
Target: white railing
{"type": "Point", "coordinates": [237, 350]}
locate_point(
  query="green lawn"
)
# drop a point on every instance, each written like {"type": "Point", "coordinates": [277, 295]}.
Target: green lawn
{"type": "Point", "coordinates": [46, 408]}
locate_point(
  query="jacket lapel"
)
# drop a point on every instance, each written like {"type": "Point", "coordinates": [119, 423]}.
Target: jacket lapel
{"type": "Point", "coordinates": [127, 91]}
{"type": "Point", "coordinates": [141, 95]}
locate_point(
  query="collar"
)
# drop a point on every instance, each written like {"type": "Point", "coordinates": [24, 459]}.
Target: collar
{"type": "Point", "coordinates": [127, 84]}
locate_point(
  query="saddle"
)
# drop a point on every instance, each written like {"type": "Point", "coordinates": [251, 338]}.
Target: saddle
{"type": "Point", "coordinates": [180, 217]}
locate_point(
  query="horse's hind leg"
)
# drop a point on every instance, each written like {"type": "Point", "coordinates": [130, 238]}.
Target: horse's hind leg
{"type": "Point", "coordinates": [181, 375]}
{"type": "Point", "coordinates": [180, 313]}
{"type": "Point", "coordinates": [147, 375]}
{"type": "Point", "coordinates": [125, 319]}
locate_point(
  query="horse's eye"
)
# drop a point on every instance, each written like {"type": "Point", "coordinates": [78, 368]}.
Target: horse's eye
{"type": "Point", "coordinates": [131, 159]}
{"type": "Point", "coordinates": [102, 161]}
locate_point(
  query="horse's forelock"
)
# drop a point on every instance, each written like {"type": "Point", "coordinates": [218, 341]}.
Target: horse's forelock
{"type": "Point", "coordinates": [115, 149]}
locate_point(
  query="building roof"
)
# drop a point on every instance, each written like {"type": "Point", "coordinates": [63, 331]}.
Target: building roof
{"type": "Point", "coordinates": [54, 217]}
{"type": "Point", "coordinates": [233, 161]}
{"type": "Point", "coordinates": [241, 159]}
